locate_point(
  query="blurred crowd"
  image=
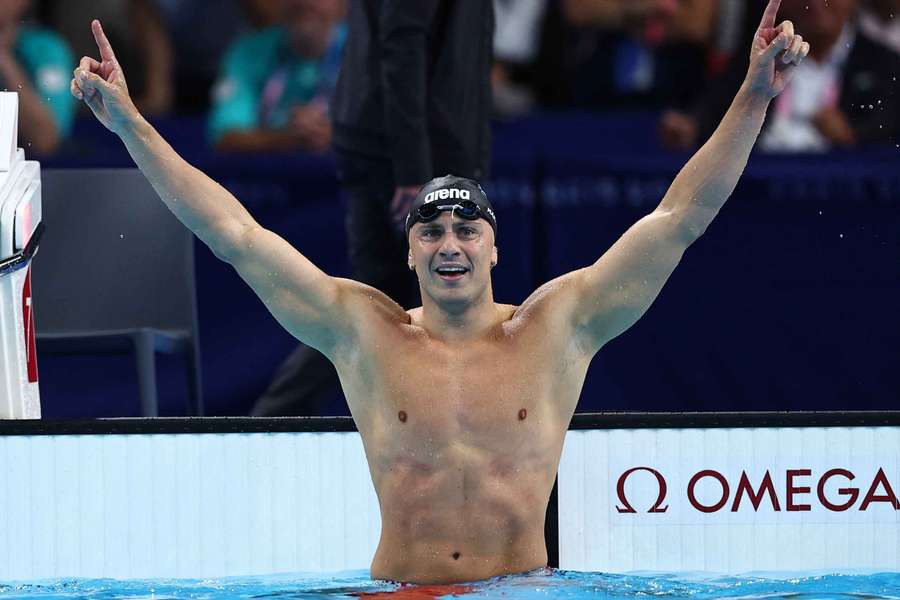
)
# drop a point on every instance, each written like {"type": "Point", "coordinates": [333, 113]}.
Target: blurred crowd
{"type": "Point", "coordinates": [262, 71]}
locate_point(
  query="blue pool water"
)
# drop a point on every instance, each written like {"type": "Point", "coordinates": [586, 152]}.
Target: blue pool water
{"type": "Point", "coordinates": [547, 583]}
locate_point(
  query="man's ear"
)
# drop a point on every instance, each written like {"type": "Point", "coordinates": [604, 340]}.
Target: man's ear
{"type": "Point", "coordinates": [494, 257]}
{"type": "Point", "coordinates": [410, 262]}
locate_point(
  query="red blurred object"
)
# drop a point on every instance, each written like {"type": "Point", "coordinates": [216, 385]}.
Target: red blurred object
{"type": "Point", "coordinates": [656, 27]}
{"type": "Point", "coordinates": [420, 592]}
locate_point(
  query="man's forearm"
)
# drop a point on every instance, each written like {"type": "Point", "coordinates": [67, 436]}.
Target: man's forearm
{"type": "Point", "coordinates": [708, 179]}
{"type": "Point", "coordinates": [204, 206]}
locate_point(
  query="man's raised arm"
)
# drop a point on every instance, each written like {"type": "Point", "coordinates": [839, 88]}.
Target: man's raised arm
{"type": "Point", "coordinates": [303, 299]}
{"type": "Point", "coordinates": [618, 289]}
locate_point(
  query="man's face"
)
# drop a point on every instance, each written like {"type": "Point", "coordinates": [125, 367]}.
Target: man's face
{"type": "Point", "coordinates": [824, 18]}
{"type": "Point", "coordinates": [452, 257]}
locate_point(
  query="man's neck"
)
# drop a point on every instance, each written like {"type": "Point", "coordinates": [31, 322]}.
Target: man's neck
{"type": "Point", "coordinates": [460, 324]}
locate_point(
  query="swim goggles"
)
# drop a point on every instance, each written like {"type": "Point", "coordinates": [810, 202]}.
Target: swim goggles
{"type": "Point", "coordinates": [466, 209]}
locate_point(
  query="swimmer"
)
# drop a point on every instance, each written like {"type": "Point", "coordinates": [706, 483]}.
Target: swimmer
{"type": "Point", "coordinates": [462, 403]}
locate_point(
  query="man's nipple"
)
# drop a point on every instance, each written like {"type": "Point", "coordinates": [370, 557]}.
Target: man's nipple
{"type": "Point", "coordinates": [402, 416]}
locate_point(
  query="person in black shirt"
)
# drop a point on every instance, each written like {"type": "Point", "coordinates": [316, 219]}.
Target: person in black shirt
{"type": "Point", "coordinates": [413, 101]}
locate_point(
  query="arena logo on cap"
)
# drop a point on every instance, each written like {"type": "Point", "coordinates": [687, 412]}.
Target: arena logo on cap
{"type": "Point", "coordinates": [878, 490]}
{"type": "Point", "coordinates": [448, 194]}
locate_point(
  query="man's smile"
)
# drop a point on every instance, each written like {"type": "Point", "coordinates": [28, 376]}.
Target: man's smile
{"type": "Point", "coordinates": [451, 271]}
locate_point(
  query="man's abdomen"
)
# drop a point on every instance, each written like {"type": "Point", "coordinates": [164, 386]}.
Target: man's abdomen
{"type": "Point", "coordinates": [454, 525]}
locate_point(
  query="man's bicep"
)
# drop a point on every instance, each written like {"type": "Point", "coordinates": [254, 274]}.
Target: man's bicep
{"type": "Point", "coordinates": [618, 289]}
{"type": "Point", "coordinates": [305, 301]}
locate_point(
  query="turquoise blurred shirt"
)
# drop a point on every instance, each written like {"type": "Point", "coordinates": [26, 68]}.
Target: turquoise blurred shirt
{"type": "Point", "coordinates": [261, 80]}
{"type": "Point", "coordinates": [47, 60]}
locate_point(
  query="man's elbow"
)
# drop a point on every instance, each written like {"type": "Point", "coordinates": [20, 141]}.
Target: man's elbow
{"type": "Point", "coordinates": [686, 224]}
{"type": "Point", "coordinates": [229, 242]}
{"type": "Point", "coordinates": [691, 223]}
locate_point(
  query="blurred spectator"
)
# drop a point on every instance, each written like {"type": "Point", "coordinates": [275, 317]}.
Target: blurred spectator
{"type": "Point", "coordinates": [516, 44]}
{"type": "Point", "coordinates": [843, 94]}
{"type": "Point", "coordinates": [275, 85]}
{"type": "Point", "coordinates": [201, 31]}
{"type": "Point", "coordinates": [879, 20]}
{"type": "Point", "coordinates": [632, 53]}
{"type": "Point", "coordinates": [137, 32]}
{"type": "Point", "coordinates": [37, 64]}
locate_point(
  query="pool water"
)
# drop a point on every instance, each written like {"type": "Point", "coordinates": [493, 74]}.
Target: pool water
{"type": "Point", "coordinates": [545, 583]}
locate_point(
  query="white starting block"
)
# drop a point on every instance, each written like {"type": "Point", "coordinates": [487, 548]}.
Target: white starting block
{"type": "Point", "coordinates": [20, 231]}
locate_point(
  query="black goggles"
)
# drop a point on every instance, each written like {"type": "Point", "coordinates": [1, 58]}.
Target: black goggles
{"type": "Point", "coordinates": [430, 211]}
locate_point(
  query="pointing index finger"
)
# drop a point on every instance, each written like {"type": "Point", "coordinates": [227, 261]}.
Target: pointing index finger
{"type": "Point", "coordinates": [768, 18]}
{"type": "Point", "coordinates": [106, 51]}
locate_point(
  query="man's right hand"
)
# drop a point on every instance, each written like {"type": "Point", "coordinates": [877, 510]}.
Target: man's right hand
{"type": "Point", "coordinates": [102, 85]}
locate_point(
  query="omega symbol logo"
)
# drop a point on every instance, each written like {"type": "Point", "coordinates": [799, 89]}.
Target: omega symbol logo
{"type": "Point", "coordinates": [620, 491]}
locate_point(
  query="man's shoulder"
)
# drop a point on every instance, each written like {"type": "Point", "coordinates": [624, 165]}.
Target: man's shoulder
{"type": "Point", "coordinates": [365, 301]}
{"type": "Point", "coordinates": [550, 295]}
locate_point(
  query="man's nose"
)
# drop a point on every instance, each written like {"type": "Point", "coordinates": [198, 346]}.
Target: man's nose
{"type": "Point", "coordinates": [449, 246]}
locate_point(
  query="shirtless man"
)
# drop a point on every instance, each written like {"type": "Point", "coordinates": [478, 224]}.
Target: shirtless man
{"type": "Point", "coordinates": [462, 404]}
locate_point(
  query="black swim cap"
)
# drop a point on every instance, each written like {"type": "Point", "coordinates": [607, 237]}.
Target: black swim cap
{"type": "Point", "coordinates": [448, 192]}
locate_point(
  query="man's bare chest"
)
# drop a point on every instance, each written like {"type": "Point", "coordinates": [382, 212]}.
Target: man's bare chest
{"type": "Point", "coordinates": [493, 392]}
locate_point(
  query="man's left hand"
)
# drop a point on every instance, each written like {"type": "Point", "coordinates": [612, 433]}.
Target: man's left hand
{"type": "Point", "coordinates": [775, 54]}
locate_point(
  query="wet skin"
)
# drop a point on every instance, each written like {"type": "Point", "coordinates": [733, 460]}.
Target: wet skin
{"type": "Point", "coordinates": [463, 437]}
